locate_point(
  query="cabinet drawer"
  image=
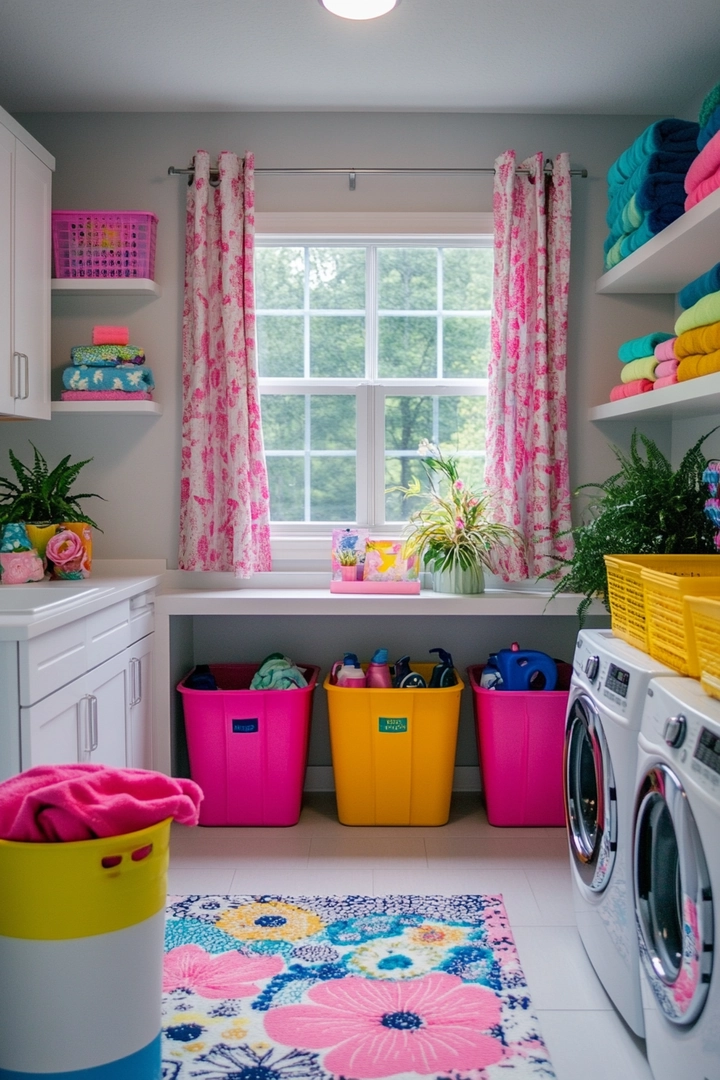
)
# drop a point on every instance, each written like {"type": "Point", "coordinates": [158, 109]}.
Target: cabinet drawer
{"type": "Point", "coordinates": [52, 660]}
{"type": "Point", "coordinates": [142, 616]}
{"type": "Point", "coordinates": [107, 633]}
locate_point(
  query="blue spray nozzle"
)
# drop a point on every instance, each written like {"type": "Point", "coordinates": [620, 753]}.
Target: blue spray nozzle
{"type": "Point", "coordinates": [350, 660]}
{"type": "Point", "coordinates": [380, 656]}
{"type": "Point", "coordinates": [444, 657]}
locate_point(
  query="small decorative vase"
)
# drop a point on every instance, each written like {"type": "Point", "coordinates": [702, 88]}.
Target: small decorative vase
{"type": "Point", "coordinates": [39, 534]}
{"type": "Point", "coordinates": [67, 554]}
{"type": "Point", "coordinates": [19, 561]}
{"type": "Point", "coordinates": [84, 531]}
{"type": "Point", "coordinates": [456, 580]}
{"type": "Point", "coordinates": [348, 573]}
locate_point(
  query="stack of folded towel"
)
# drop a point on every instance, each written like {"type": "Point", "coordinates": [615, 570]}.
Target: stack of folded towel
{"type": "Point", "coordinates": [703, 177]}
{"type": "Point", "coordinates": [646, 186]}
{"type": "Point", "coordinates": [640, 363]}
{"type": "Point", "coordinates": [108, 370]}
{"type": "Point", "coordinates": [697, 345]}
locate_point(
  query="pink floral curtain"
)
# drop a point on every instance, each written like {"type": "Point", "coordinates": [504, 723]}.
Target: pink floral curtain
{"type": "Point", "coordinates": [527, 461]}
{"type": "Point", "coordinates": [224, 504]}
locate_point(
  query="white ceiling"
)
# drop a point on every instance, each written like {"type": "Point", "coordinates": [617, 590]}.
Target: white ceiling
{"type": "Point", "coordinates": [583, 56]}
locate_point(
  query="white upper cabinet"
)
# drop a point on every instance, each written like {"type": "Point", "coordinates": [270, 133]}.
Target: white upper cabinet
{"type": "Point", "coordinates": [25, 267]}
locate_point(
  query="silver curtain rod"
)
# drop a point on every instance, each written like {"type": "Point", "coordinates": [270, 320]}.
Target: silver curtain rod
{"type": "Point", "coordinates": [352, 174]}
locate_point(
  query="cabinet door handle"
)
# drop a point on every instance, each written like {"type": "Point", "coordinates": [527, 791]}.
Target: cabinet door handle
{"type": "Point", "coordinates": [15, 375]}
{"type": "Point", "coordinates": [136, 670]}
{"type": "Point", "coordinates": [84, 719]}
{"type": "Point", "coordinates": [93, 721]}
{"type": "Point", "coordinates": [26, 379]}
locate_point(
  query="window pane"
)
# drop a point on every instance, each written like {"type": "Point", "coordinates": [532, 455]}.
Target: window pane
{"type": "Point", "coordinates": [407, 279]}
{"type": "Point", "coordinates": [407, 347]}
{"type": "Point", "coordinates": [279, 277]}
{"type": "Point", "coordinates": [332, 422]}
{"type": "Point", "coordinates": [280, 346]}
{"type": "Point", "coordinates": [337, 346]}
{"type": "Point", "coordinates": [337, 278]}
{"type": "Point", "coordinates": [466, 347]}
{"type": "Point", "coordinates": [283, 421]}
{"type": "Point", "coordinates": [467, 279]}
{"type": "Point", "coordinates": [332, 496]}
{"type": "Point", "coordinates": [287, 488]}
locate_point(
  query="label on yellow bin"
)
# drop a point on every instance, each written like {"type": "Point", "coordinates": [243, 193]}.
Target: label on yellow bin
{"type": "Point", "coordinates": [392, 723]}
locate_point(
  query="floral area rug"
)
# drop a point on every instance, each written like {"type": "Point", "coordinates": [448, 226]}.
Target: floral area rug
{"type": "Point", "coordinates": [311, 988]}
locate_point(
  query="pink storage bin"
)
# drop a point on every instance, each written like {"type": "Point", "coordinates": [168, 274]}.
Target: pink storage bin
{"type": "Point", "coordinates": [248, 748]}
{"type": "Point", "coordinates": [103, 243]}
{"type": "Point", "coordinates": [521, 737]}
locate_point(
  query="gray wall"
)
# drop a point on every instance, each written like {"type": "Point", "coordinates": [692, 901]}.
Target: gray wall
{"type": "Point", "coordinates": [119, 161]}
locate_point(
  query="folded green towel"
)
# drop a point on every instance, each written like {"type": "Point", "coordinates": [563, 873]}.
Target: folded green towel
{"type": "Point", "coordinates": [614, 255]}
{"type": "Point", "coordinates": [640, 347]}
{"type": "Point", "coordinates": [106, 355]}
{"type": "Point", "coordinates": [277, 672]}
{"type": "Point", "coordinates": [643, 368]}
{"type": "Point", "coordinates": [709, 105]}
{"type": "Point", "coordinates": [706, 311]}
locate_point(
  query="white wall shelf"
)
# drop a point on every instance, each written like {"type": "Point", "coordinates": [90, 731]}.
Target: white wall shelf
{"type": "Point", "coordinates": [681, 252]}
{"type": "Point", "coordinates": [147, 408]}
{"type": "Point", "coordinates": [696, 397]}
{"type": "Point", "coordinates": [102, 286]}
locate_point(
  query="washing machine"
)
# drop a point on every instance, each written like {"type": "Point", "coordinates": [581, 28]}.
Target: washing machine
{"type": "Point", "coordinates": [607, 695]}
{"type": "Point", "coordinates": [677, 878]}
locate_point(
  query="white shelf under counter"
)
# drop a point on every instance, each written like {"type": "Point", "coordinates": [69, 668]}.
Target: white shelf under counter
{"type": "Point", "coordinates": [683, 401]}
{"type": "Point", "coordinates": [146, 408]}
{"type": "Point", "coordinates": [681, 252]}
{"type": "Point", "coordinates": [103, 286]}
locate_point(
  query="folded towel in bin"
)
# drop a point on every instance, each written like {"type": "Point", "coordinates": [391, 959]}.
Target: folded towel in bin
{"type": "Point", "coordinates": [277, 672]}
{"type": "Point", "coordinates": [63, 803]}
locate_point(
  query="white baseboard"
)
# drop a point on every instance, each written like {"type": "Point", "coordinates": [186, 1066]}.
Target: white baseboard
{"type": "Point", "coordinates": [320, 778]}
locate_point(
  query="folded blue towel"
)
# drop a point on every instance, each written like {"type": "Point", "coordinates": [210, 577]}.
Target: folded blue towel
{"type": "Point", "coordinates": [702, 286]}
{"type": "Point", "coordinates": [672, 166]}
{"type": "Point", "coordinates": [124, 377]}
{"type": "Point", "coordinates": [671, 135]}
{"type": "Point", "coordinates": [638, 347]}
{"type": "Point", "coordinates": [711, 128]}
{"type": "Point", "coordinates": [654, 220]}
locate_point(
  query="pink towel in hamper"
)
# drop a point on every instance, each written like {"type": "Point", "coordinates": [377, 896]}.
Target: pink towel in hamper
{"type": "Point", "coordinates": [669, 380]}
{"type": "Point", "coordinates": [664, 351]}
{"type": "Point", "coordinates": [630, 389]}
{"type": "Point", "coordinates": [666, 368]}
{"type": "Point", "coordinates": [62, 803]}
{"type": "Point", "coordinates": [106, 395]}
{"type": "Point", "coordinates": [111, 335]}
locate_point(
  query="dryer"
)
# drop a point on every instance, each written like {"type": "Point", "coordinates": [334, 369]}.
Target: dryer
{"type": "Point", "coordinates": [607, 695]}
{"type": "Point", "coordinates": [677, 878]}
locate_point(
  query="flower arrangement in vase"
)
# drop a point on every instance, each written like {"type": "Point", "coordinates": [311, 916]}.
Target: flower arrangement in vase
{"type": "Point", "coordinates": [454, 532]}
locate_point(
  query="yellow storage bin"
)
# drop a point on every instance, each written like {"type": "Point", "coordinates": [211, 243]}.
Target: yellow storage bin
{"type": "Point", "coordinates": [705, 641]}
{"type": "Point", "coordinates": [627, 594]}
{"type": "Point", "coordinates": [669, 628]}
{"type": "Point", "coordinates": [393, 752]}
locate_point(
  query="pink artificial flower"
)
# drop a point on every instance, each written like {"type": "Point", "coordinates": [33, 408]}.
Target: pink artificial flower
{"type": "Point", "coordinates": [222, 975]}
{"type": "Point", "coordinates": [376, 1028]}
{"type": "Point", "coordinates": [458, 485]}
{"type": "Point", "coordinates": [64, 547]}
{"type": "Point", "coordinates": [459, 523]}
{"type": "Point", "coordinates": [17, 567]}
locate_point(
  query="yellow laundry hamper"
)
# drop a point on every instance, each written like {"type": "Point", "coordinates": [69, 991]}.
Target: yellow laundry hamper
{"type": "Point", "coordinates": [81, 951]}
{"type": "Point", "coordinates": [393, 752]}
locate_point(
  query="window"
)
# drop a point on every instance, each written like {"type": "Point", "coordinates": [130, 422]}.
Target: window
{"type": "Point", "coordinates": [365, 347]}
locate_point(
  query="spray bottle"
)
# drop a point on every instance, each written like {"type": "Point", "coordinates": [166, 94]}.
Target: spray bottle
{"type": "Point", "coordinates": [378, 672]}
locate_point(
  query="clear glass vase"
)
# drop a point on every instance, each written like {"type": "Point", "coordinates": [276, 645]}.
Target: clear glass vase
{"type": "Point", "coordinates": [458, 580]}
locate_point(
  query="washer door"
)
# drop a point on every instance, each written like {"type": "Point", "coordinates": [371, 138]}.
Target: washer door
{"type": "Point", "coordinates": [673, 898]}
{"type": "Point", "coordinates": [590, 802]}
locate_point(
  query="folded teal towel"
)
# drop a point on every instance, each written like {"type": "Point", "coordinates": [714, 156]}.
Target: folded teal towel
{"type": "Point", "coordinates": [709, 129]}
{"type": "Point", "coordinates": [670, 135]}
{"type": "Point", "coordinates": [709, 105]}
{"type": "Point", "coordinates": [672, 168]}
{"type": "Point", "coordinates": [106, 355]}
{"type": "Point", "coordinates": [641, 346]}
{"type": "Point", "coordinates": [277, 672]}
{"type": "Point", "coordinates": [701, 286]}
{"type": "Point", "coordinates": [123, 377]}
{"type": "Point", "coordinates": [635, 216]}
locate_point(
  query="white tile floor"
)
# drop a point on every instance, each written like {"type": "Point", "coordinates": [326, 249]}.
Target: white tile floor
{"type": "Point", "coordinates": [586, 1038]}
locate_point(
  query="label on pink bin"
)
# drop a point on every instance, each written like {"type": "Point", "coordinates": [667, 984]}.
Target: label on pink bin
{"type": "Point", "coordinates": [243, 727]}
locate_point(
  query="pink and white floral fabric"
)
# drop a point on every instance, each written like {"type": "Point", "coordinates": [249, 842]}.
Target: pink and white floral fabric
{"type": "Point", "coordinates": [224, 501]}
{"type": "Point", "coordinates": [527, 460]}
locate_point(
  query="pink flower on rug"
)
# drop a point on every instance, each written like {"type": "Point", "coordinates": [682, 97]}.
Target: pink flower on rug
{"type": "Point", "coordinates": [222, 975]}
{"type": "Point", "coordinates": [376, 1028]}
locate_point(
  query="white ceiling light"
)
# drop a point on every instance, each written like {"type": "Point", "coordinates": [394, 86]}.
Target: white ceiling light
{"type": "Point", "coordinates": [359, 9]}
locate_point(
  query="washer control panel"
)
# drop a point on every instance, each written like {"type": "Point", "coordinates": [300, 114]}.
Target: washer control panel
{"type": "Point", "coordinates": [617, 680]}
{"type": "Point", "coordinates": [706, 758]}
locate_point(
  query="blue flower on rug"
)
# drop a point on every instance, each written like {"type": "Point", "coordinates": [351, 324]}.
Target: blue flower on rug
{"type": "Point", "coordinates": [296, 973]}
{"type": "Point", "coordinates": [244, 1063]}
{"type": "Point", "coordinates": [315, 954]}
{"type": "Point", "coordinates": [474, 964]}
{"type": "Point", "coordinates": [192, 931]}
{"type": "Point", "coordinates": [184, 1032]}
{"type": "Point", "coordinates": [368, 927]}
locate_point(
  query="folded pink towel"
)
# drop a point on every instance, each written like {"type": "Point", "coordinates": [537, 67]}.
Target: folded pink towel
{"type": "Point", "coordinates": [106, 395]}
{"type": "Point", "coordinates": [666, 368]}
{"type": "Point", "coordinates": [664, 351]}
{"type": "Point", "coordinates": [111, 335]}
{"type": "Point", "coordinates": [61, 803]}
{"type": "Point", "coordinates": [705, 164]}
{"type": "Point", "coordinates": [669, 380]}
{"type": "Point", "coordinates": [705, 188]}
{"type": "Point", "coordinates": [630, 389]}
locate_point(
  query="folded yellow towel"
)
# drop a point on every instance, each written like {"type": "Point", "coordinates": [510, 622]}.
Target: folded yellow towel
{"type": "Point", "coordinates": [703, 339]}
{"type": "Point", "coordinates": [644, 368]}
{"type": "Point", "coordinates": [692, 367]}
{"type": "Point", "coordinates": [706, 311]}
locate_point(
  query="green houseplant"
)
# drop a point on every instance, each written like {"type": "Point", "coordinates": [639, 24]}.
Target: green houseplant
{"type": "Point", "coordinates": [646, 508]}
{"type": "Point", "coordinates": [454, 532]}
{"type": "Point", "coordinates": [41, 496]}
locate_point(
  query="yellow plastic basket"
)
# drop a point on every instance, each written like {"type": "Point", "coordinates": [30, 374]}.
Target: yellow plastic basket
{"type": "Point", "coordinates": [627, 598]}
{"type": "Point", "coordinates": [669, 627]}
{"type": "Point", "coordinates": [704, 615]}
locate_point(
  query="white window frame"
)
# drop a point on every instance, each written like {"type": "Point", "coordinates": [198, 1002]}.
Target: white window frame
{"type": "Point", "coordinates": [301, 543]}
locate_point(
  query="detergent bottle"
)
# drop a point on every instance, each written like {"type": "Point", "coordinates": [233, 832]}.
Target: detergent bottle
{"type": "Point", "coordinates": [405, 677]}
{"type": "Point", "coordinates": [443, 674]}
{"type": "Point", "coordinates": [519, 669]}
{"type": "Point", "coordinates": [347, 672]}
{"type": "Point", "coordinates": [378, 672]}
